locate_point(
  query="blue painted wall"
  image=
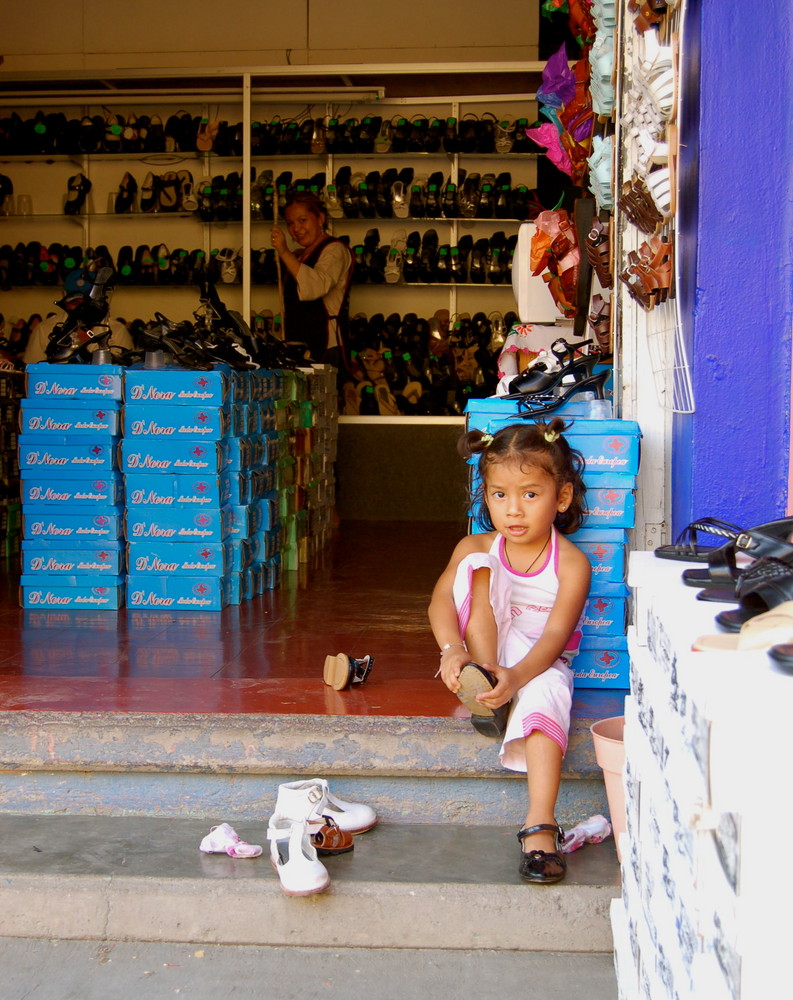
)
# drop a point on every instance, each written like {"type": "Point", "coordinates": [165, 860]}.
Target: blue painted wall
{"type": "Point", "coordinates": [730, 458]}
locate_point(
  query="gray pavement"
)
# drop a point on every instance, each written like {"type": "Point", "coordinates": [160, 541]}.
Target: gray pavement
{"type": "Point", "coordinates": [91, 970]}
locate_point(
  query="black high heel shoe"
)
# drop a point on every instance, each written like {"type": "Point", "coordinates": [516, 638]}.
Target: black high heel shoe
{"type": "Point", "coordinates": [540, 380]}
{"type": "Point", "coordinates": [88, 314]}
{"type": "Point", "coordinates": [535, 405]}
{"type": "Point", "coordinates": [78, 188]}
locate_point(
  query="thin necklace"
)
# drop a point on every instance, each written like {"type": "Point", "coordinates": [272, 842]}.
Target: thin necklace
{"type": "Point", "coordinates": [534, 560]}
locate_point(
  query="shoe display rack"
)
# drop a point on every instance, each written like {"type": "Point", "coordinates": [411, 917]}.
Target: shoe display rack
{"type": "Point", "coordinates": [646, 175]}
{"type": "Point", "coordinates": [168, 185]}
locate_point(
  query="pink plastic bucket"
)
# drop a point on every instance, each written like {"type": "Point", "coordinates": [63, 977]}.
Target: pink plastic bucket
{"type": "Point", "coordinates": [610, 755]}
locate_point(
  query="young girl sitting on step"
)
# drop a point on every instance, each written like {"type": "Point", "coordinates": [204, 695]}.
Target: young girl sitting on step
{"type": "Point", "coordinates": [506, 613]}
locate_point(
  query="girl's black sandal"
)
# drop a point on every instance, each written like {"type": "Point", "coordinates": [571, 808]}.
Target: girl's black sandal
{"type": "Point", "coordinates": [542, 867]}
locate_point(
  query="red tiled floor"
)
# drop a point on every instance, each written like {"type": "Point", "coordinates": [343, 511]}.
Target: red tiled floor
{"type": "Point", "coordinates": [367, 594]}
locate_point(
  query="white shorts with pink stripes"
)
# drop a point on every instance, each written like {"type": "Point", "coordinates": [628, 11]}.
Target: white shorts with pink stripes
{"type": "Point", "coordinates": [544, 703]}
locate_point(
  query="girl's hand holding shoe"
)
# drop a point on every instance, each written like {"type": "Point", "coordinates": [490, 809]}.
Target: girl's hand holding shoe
{"type": "Point", "coordinates": [504, 690]}
{"type": "Point", "coordinates": [452, 662]}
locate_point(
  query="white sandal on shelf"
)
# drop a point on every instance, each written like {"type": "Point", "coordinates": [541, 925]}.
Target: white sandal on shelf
{"type": "Point", "coordinates": [310, 800]}
{"type": "Point", "coordinates": [294, 858]}
{"type": "Point", "coordinates": [660, 188]}
{"type": "Point", "coordinates": [224, 839]}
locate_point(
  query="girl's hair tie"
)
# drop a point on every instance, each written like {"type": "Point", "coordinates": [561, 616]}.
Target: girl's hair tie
{"type": "Point", "coordinates": [486, 439]}
{"type": "Point", "coordinates": [551, 436]}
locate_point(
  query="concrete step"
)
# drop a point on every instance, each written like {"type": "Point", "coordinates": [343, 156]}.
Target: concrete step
{"type": "Point", "coordinates": [404, 885]}
{"type": "Point", "coordinates": [62, 970]}
{"type": "Point", "coordinates": [415, 769]}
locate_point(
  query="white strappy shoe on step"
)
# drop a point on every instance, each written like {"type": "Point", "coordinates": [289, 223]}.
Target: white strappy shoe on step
{"type": "Point", "coordinates": [294, 858]}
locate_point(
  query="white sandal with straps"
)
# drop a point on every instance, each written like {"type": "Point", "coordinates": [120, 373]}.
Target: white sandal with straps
{"type": "Point", "coordinates": [294, 858]}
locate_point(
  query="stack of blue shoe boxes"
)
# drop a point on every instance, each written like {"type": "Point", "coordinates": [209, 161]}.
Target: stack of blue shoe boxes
{"type": "Point", "coordinates": [267, 389]}
{"type": "Point", "coordinates": [611, 451]}
{"type": "Point", "coordinates": [173, 455]}
{"type": "Point", "coordinates": [72, 492]}
{"type": "Point", "coordinates": [252, 504]}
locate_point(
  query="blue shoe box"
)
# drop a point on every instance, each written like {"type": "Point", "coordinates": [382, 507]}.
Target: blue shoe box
{"type": "Point", "coordinates": [266, 543]}
{"type": "Point", "coordinates": [245, 419]}
{"type": "Point", "coordinates": [177, 385]}
{"type": "Point", "coordinates": [147, 454]}
{"type": "Point", "coordinates": [245, 519]}
{"type": "Point", "coordinates": [56, 559]}
{"type": "Point", "coordinates": [70, 455]}
{"type": "Point", "coordinates": [178, 525]}
{"type": "Point", "coordinates": [270, 506]}
{"type": "Point", "coordinates": [241, 586]}
{"type": "Point", "coordinates": [240, 553]}
{"type": "Point", "coordinates": [88, 382]}
{"type": "Point", "coordinates": [607, 609]}
{"type": "Point", "coordinates": [156, 490]}
{"type": "Point", "coordinates": [272, 572]}
{"type": "Point", "coordinates": [249, 485]}
{"type": "Point", "coordinates": [611, 500]}
{"type": "Point", "coordinates": [606, 445]}
{"type": "Point", "coordinates": [241, 387]}
{"type": "Point", "coordinates": [602, 662]}
{"type": "Point", "coordinates": [207, 423]}
{"type": "Point", "coordinates": [75, 417]}
{"type": "Point", "coordinates": [177, 593]}
{"type": "Point", "coordinates": [70, 592]}
{"type": "Point", "coordinates": [247, 452]}
{"type": "Point", "coordinates": [71, 490]}
{"type": "Point", "coordinates": [73, 524]}
{"type": "Point", "coordinates": [607, 551]}
{"type": "Point", "coordinates": [150, 556]}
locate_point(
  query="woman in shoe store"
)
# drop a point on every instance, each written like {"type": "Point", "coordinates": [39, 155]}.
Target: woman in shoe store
{"type": "Point", "coordinates": [316, 280]}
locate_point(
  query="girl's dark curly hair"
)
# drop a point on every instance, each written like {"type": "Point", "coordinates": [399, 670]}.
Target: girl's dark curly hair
{"type": "Point", "coordinates": [526, 443]}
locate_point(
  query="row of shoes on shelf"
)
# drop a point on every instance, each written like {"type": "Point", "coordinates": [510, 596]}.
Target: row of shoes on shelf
{"type": "Point", "coordinates": [420, 134]}
{"type": "Point", "coordinates": [414, 258]}
{"type": "Point", "coordinates": [422, 258]}
{"type": "Point", "coordinates": [392, 193]}
{"type": "Point", "coordinates": [404, 194]}
{"type": "Point", "coordinates": [413, 365]}
{"type": "Point", "coordinates": [51, 133]}
{"type": "Point", "coordinates": [217, 198]}
{"type": "Point", "coordinates": [37, 263]}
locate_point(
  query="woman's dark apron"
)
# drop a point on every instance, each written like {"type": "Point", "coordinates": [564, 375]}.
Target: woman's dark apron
{"type": "Point", "coordinates": [309, 322]}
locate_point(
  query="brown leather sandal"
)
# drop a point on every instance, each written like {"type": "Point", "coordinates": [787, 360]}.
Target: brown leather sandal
{"type": "Point", "coordinates": [330, 839]}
